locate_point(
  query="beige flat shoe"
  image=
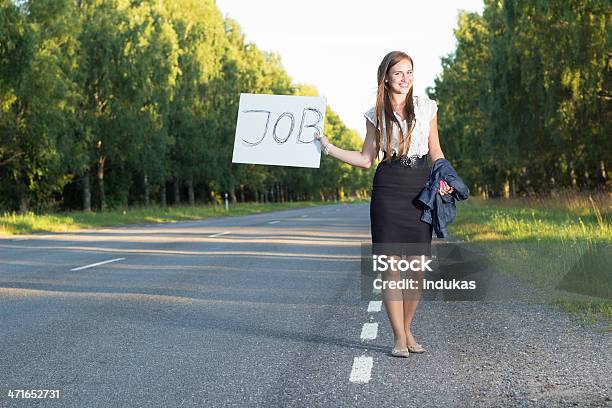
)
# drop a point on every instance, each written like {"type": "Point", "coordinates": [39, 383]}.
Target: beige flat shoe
{"type": "Point", "coordinates": [400, 352]}
{"type": "Point", "coordinates": [417, 348]}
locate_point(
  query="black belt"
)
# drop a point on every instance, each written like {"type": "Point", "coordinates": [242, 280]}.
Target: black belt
{"type": "Point", "coordinates": [407, 161]}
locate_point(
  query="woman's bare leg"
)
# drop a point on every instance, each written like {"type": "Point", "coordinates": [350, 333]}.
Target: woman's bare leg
{"type": "Point", "coordinates": [411, 302]}
{"type": "Point", "coordinates": [394, 304]}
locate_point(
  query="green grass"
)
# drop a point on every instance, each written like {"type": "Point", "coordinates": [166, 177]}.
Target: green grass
{"type": "Point", "coordinates": [535, 220]}
{"type": "Point", "coordinates": [588, 310]}
{"type": "Point", "coordinates": [13, 224]}
{"type": "Point", "coordinates": [561, 245]}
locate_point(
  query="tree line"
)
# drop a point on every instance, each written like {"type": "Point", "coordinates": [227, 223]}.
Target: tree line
{"type": "Point", "coordinates": [110, 103]}
{"type": "Point", "coordinates": [525, 97]}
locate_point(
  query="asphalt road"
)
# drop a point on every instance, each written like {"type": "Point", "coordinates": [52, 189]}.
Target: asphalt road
{"type": "Point", "coordinates": [265, 310]}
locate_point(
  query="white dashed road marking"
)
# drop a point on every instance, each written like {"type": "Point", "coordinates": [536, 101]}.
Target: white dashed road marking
{"type": "Point", "coordinates": [362, 370]}
{"type": "Point", "coordinates": [274, 222]}
{"type": "Point", "coordinates": [96, 264]}
{"type": "Point", "coordinates": [369, 331]}
{"type": "Point", "coordinates": [362, 366]}
{"type": "Point", "coordinates": [219, 234]}
{"type": "Point", "coordinates": [376, 291]}
{"type": "Point", "coordinates": [374, 306]}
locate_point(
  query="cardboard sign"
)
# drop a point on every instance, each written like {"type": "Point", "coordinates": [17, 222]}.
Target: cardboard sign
{"type": "Point", "coordinates": [279, 130]}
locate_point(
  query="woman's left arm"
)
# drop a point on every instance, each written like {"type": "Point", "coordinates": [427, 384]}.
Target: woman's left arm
{"type": "Point", "coordinates": [435, 151]}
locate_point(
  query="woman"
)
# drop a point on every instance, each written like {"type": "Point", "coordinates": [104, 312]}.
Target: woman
{"type": "Point", "coordinates": [399, 178]}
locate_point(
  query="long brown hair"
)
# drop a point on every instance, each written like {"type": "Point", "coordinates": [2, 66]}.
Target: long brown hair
{"type": "Point", "coordinates": [383, 104]}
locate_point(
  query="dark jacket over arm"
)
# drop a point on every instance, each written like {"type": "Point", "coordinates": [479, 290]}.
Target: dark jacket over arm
{"type": "Point", "coordinates": [437, 209]}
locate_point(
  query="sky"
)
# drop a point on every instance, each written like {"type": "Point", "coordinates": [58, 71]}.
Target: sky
{"type": "Point", "coordinates": [337, 45]}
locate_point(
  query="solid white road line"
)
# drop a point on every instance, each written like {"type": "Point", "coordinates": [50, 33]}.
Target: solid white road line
{"type": "Point", "coordinates": [96, 264]}
{"type": "Point", "coordinates": [362, 370]}
{"type": "Point", "coordinates": [369, 331]}
{"type": "Point", "coordinates": [374, 306]}
{"type": "Point", "coordinates": [219, 234]}
{"type": "Point", "coordinates": [274, 222]}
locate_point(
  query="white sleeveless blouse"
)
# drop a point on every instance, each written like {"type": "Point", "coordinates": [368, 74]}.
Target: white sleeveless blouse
{"type": "Point", "coordinates": [424, 109]}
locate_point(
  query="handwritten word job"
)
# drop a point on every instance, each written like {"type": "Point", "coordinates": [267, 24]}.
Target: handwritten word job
{"type": "Point", "coordinates": [289, 116]}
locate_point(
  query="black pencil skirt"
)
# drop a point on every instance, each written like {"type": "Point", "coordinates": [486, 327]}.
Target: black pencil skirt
{"type": "Point", "coordinates": [394, 213]}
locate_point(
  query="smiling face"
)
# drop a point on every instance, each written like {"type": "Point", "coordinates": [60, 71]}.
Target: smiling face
{"type": "Point", "coordinates": [400, 77]}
